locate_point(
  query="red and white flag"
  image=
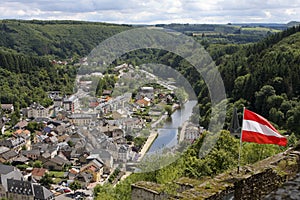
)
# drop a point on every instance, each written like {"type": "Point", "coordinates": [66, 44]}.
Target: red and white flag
{"type": "Point", "coordinates": [257, 129]}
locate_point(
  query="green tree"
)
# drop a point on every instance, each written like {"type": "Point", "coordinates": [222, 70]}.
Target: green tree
{"type": "Point", "coordinates": [106, 192]}
{"type": "Point", "coordinates": [168, 109]}
{"type": "Point", "coordinates": [252, 152]}
{"type": "Point", "coordinates": [37, 164]}
{"type": "Point", "coordinates": [75, 185]}
{"type": "Point", "coordinates": [70, 143]}
{"type": "Point", "coordinates": [293, 119]}
{"type": "Point", "coordinates": [292, 140]}
{"type": "Point", "coordinates": [181, 95]}
{"type": "Point", "coordinates": [46, 181]}
{"type": "Point", "coordinates": [261, 99]}
{"type": "Point", "coordinates": [14, 119]}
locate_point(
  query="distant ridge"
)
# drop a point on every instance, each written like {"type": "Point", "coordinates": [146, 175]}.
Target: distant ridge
{"type": "Point", "coordinates": [278, 26]}
{"type": "Point", "coordinates": [293, 23]}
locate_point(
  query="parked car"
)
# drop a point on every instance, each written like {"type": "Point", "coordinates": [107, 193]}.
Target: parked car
{"type": "Point", "coordinates": [78, 197]}
{"type": "Point", "coordinates": [66, 190]}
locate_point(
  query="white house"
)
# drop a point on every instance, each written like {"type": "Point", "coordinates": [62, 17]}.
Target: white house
{"type": "Point", "coordinates": [35, 111]}
{"type": "Point", "coordinates": [192, 132]}
{"type": "Point", "coordinates": [81, 119]}
{"type": "Point", "coordinates": [145, 92]}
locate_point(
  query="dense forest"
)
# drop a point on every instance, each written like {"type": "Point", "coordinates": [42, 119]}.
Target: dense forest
{"type": "Point", "coordinates": [265, 77]}
{"type": "Point", "coordinates": [61, 39]}
{"type": "Point", "coordinates": [26, 79]}
{"type": "Point", "coordinates": [27, 49]}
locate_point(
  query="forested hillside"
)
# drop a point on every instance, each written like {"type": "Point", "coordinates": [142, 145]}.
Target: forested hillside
{"type": "Point", "coordinates": [27, 49]}
{"type": "Point", "coordinates": [62, 39]}
{"type": "Point", "coordinates": [26, 79]}
{"type": "Point", "coordinates": [265, 77]}
{"type": "Point", "coordinates": [226, 33]}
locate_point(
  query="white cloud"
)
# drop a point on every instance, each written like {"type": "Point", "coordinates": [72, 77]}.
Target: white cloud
{"type": "Point", "coordinates": [268, 14]}
{"type": "Point", "coordinates": [154, 11]}
{"type": "Point", "coordinates": [290, 12]}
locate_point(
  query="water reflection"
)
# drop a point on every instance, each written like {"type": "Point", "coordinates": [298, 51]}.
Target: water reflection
{"type": "Point", "coordinates": [167, 136]}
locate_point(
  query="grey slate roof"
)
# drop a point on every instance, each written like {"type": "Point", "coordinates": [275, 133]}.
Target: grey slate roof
{"type": "Point", "coordinates": [19, 187]}
{"type": "Point", "coordinates": [103, 153]}
{"type": "Point", "coordinates": [84, 177]}
{"type": "Point", "coordinates": [9, 172]}
{"type": "Point", "coordinates": [27, 188]}
{"type": "Point", "coordinates": [36, 152]}
{"type": "Point", "coordinates": [59, 160]}
{"type": "Point", "coordinates": [97, 163]}
{"type": "Point", "coordinates": [10, 154]}
{"type": "Point", "coordinates": [21, 158]}
{"type": "Point", "coordinates": [3, 149]}
{"type": "Point", "coordinates": [41, 192]}
{"type": "Point", "coordinates": [5, 169]}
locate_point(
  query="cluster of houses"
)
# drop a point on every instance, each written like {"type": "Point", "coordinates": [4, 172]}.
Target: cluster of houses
{"type": "Point", "coordinates": [86, 142]}
{"type": "Point", "coordinates": [14, 185]}
{"type": "Point", "coordinates": [86, 147]}
{"type": "Point", "coordinates": [85, 154]}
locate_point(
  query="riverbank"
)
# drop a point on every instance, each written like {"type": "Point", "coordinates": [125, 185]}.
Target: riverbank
{"type": "Point", "coordinates": [182, 131]}
{"type": "Point", "coordinates": [163, 117]}
{"type": "Point", "coordinates": [169, 135]}
{"type": "Point", "coordinates": [153, 135]}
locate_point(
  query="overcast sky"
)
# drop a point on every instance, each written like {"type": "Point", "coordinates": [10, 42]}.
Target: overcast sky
{"type": "Point", "coordinates": [154, 11]}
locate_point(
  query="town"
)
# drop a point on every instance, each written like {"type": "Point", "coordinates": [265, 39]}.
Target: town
{"type": "Point", "coordinates": [90, 137]}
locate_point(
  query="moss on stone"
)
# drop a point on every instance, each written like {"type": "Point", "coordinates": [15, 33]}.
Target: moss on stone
{"type": "Point", "coordinates": [150, 186]}
{"type": "Point", "coordinates": [272, 171]}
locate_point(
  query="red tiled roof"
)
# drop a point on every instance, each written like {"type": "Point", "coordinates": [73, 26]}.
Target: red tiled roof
{"type": "Point", "coordinates": [20, 131]}
{"type": "Point", "coordinates": [143, 102]}
{"type": "Point", "coordinates": [38, 171]}
{"type": "Point", "coordinates": [93, 168]}
{"type": "Point", "coordinates": [73, 171]}
{"type": "Point", "coordinates": [94, 104]}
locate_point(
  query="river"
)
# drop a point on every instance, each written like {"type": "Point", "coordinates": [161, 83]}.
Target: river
{"type": "Point", "coordinates": [167, 136]}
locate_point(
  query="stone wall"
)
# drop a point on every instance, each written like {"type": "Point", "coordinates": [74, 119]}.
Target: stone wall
{"type": "Point", "coordinates": [147, 191]}
{"type": "Point", "coordinates": [253, 182]}
{"type": "Point", "coordinates": [261, 184]}
{"type": "Point", "coordinates": [257, 185]}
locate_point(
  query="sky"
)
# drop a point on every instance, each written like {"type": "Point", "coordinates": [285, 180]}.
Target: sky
{"type": "Point", "coordinates": [154, 11]}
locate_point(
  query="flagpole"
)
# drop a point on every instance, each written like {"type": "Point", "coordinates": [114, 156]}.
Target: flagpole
{"type": "Point", "coordinates": [240, 148]}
